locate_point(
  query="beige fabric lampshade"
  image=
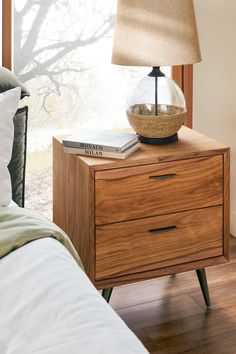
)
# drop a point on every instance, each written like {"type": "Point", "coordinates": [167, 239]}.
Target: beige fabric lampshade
{"type": "Point", "coordinates": [155, 33]}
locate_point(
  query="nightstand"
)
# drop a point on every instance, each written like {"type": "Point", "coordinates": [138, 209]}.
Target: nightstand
{"type": "Point", "coordinates": [162, 211]}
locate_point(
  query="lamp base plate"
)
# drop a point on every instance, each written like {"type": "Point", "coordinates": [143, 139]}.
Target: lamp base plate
{"type": "Point", "coordinates": [158, 141]}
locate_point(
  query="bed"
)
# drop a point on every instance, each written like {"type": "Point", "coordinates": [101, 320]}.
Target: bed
{"type": "Point", "coordinates": [48, 305]}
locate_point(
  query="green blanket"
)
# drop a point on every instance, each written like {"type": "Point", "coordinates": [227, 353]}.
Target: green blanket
{"type": "Point", "coordinates": [19, 226]}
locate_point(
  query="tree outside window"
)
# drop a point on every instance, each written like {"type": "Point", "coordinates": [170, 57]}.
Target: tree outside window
{"type": "Point", "coordinates": [62, 52]}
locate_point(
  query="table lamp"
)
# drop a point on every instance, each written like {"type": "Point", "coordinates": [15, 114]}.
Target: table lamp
{"type": "Point", "coordinates": [156, 33]}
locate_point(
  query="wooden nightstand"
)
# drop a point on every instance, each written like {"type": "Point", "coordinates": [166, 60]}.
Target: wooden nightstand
{"type": "Point", "coordinates": [163, 210]}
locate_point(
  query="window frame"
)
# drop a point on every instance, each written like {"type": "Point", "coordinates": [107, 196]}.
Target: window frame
{"type": "Point", "coordinates": [183, 75]}
{"type": "Point", "coordinates": [7, 34]}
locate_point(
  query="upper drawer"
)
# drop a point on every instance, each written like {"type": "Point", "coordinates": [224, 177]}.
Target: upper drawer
{"type": "Point", "coordinates": [148, 190]}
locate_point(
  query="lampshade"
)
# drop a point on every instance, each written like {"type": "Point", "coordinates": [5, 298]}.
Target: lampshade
{"type": "Point", "coordinates": [155, 33]}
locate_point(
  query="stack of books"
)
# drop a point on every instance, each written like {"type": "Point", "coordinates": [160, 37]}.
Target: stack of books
{"type": "Point", "coordinates": [101, 143]}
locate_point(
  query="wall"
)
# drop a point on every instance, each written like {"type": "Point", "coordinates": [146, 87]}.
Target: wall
{"type": "Point", "coordinates": [214, 100]}
{"type": "Point", "coordinates": [0, 32]}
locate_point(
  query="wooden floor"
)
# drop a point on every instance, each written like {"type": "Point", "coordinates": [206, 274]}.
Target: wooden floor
{"type": "Point", "coordinates": [168, 314]}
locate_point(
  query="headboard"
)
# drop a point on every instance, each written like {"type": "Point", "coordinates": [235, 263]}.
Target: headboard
{"type": "Point", "coordinates": [8, 80]}
{"type": "Point", "coordinates": [18, 160]}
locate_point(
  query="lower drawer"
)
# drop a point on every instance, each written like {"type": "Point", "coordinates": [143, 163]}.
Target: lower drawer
{"type": "Point", "coordinates": [150, 243]}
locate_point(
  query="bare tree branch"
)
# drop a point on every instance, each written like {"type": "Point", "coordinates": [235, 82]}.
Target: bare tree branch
{"type": "Point", "coordinates": [40, 68]}
{"type": "Point", "coordinates": [28, 6]}
{"type": "Point", "coordinates": [51, 60]}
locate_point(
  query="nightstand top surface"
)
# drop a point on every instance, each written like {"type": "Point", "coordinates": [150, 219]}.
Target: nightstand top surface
{"type": "Point", "coordinates": [190, 144]}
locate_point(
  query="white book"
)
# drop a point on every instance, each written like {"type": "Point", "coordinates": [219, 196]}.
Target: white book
{"type": "Point", "coordinates": [100, 153]}
{"type": "Point", "coordinates": [101, 140]}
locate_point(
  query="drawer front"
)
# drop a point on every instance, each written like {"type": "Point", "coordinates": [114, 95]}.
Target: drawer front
{"type": "Point", "coordinates": [141, 245]}
{"type": "Point", "coordinates": [143, 191]}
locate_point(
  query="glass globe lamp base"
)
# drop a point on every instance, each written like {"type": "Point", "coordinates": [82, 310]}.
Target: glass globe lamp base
{"type": "Point", "coordinates": [159, 141]}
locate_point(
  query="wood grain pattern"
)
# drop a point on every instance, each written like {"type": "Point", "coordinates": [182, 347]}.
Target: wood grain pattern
{"type": "Point", "coordinates": [177, 75]}
{"type": "Point", "coordinates": [159, 312]}
{"type": "Point", "coordinates": [183, 76]}
{"type": "Point", "coordinates": [130, 193]}
{"type": "Point", "coordinates": [159, 272]}
{"type": "Point", "coordinates": [202, 165]}
{"type": "Point", "coordinates": [193, 333]}
{"type": "Point", "coordinates": [188, 93]}
{"type": "Point", "coordinates": [7, 34]}
{"type": "Point", "coordinates": [59, 195]}
{"type": "Point", "coordinates": [129, 247]}
{"type": "Point", "coordinates": [191, 144]}
{"type": "Point", "coordinates": [226, 202]}
{"type": "Point", "coordinates": [73, 203]}
{"type": "Point", "coordinates": [170, 286]}
{"type": "Point", "coordinates": [163, 315]}
{"type": "Point", "coordinates": [83, 216]}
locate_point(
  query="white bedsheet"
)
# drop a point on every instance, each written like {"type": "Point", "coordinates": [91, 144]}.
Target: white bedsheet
{"type": "Point", "coordinates": [12, 204]}
{"type": "Point", "coordinates": [49, 306]}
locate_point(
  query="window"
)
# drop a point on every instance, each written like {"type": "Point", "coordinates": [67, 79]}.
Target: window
{"type": "Point", "coordinates": [62, 52]}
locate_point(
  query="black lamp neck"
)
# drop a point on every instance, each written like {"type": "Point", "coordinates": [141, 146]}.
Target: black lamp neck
{"type": "Point", "coordinates": [156, 72]}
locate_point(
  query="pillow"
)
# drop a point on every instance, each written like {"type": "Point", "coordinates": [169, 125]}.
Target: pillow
{"type": "Point", "coordinates": [9, 101]}
{"type": "Point", "coordinates": [18, 158]}
{"type": "Point", "coordinates": [9, 81]}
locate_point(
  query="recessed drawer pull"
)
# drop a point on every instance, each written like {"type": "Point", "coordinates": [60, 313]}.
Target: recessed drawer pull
{"type": "Point", "coordinates": [163, 230]}
{"type": "Point", "coordinates": [170, 175]}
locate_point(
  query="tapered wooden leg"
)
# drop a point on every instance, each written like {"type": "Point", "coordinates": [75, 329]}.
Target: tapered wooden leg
{"type": "Point", "coordinates": [106, 293]}
{"type": "Point", "coordinates": [201, 273]}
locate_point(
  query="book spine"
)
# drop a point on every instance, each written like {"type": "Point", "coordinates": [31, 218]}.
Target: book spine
{"type": "Point", "coordinates": [94, 153]}
{"type": "Point", "coordinates": [94, 147]}
{"type": "Point", "coordinates": [98, 147]}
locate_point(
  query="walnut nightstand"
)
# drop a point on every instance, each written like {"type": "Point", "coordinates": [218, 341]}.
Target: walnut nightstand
{"type": "Point", "coordinates": [164, 210]}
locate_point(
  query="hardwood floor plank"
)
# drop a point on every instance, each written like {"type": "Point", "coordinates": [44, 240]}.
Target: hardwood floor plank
{"type": "Point", "coordinates": [225, 344]}
{"type": "Point", "coordinates": [149, 344]}
{"type": "Point", "coordinates": [161, 311]}
{"type": "Point", "coordinates": [222, 295]}
{"type": "Point", "coordinates": [186, 283]}
{"type": "Point", "coordinates": [152, 290]}
{"type": "Point", "coordinates": [197, 331]}
{"type": "Point", "coordinates": [168, 316]}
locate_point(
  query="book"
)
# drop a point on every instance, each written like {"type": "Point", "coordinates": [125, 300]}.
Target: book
{"type": "Point", "coordinates": [102, 153]}
{"type": "Point", "coordinates": [101, 140]}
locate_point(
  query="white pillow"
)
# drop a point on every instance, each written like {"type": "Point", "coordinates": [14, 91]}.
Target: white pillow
{"type": "Point", "coordinates": [9, 101]}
